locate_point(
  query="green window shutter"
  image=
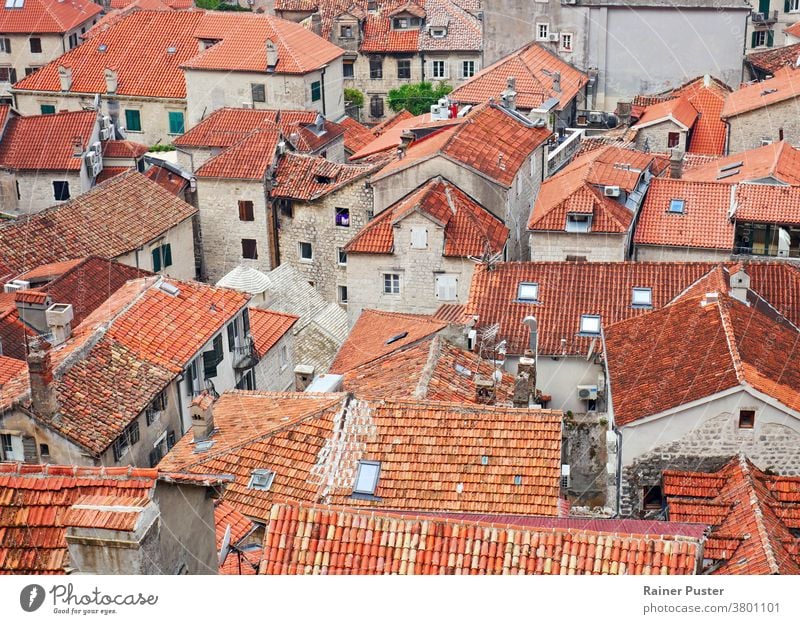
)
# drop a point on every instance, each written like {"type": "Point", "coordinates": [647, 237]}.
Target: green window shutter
{"type": "Point", "coordinates": [763, 6]}
{"type": "Point", "coordinates": [753, 39]}
{"type": "Point", "coordinates": [176, 123]}
{"type": "Point", "coordinates": [167, 254]}
{"type": "Point", "coordinates": [316, 91]}
{"type": "Point", "coordinates": [786, 7]}
{"type": "Point", "coordinates": [156, 253]}
{"type": "Point", "coordinates": [133, 121]}
{"type": "Point", "coordinates": [231, 338]}
{"type": "Point", "coordinates": [770, 38]}
{"type": "Point", "coordinates": [48, 109]}
{"type": "Point", "coordinates": [209, 364]}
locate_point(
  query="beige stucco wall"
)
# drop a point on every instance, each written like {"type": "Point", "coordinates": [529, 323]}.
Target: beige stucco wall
{"type": "Point", "coordinates": [36, 188]}
{"type": "Point", "coordinates": [181, 239]}
{"type": "Point", "coordinates": [652, 253]}
{"type": "Point", "coordinates": [596, 247]}
{"type": "Point", "coordinates": [62, 451]}
{"type": "Point", "coordinates": [747, 130]}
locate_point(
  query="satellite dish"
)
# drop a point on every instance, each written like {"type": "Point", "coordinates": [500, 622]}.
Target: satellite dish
{"type": "Point", "coordinates": [226, 545]}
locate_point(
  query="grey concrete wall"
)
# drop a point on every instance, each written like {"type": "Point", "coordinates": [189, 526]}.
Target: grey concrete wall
{"type": "Point", "coordinates": [656, 136]}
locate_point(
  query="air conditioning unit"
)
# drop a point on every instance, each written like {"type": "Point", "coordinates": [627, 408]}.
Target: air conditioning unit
{"type": "Point", "coordinates": [611, 191]}
{"type": "Point", "coordinates": [16, 285]}
{"type": "Point", "coordinates": [97, 168]}
{"type": "Point", "coordinates": [587, 393]}
{"type": "Point", "coordinates": [601, 383]}
{"type": "Point", "coordinates": [472, 338]}
{"type": "Point", "coordinates": [552, 37]}
{"type": "Point", "coordinates": [105, 134]}
{"type": "Point", "coordinates": [566, 479]}
{"type": "Point", "coordinates": [596, 117]}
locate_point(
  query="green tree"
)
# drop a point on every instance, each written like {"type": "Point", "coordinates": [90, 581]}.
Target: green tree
{"type": "Point", "coordinates": [354, 97]}
{"type": "Point", "coordinates": [417, 98]}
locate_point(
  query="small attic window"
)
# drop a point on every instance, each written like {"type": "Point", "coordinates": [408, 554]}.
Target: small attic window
{"type": "Point", "coordinates": [261, 479]}
{"type": "Point", "coordinates": [578, 222]}
{"type": "Point", "coordinates": [517, 479]}
{"type": "Point", "coordinates": [102, 47]}
{"type": "Point", "coordinates": [677, 206]}
{"type": "Point", "coordinates": [367, 477]}
{"type": "Point", "coordinates": [15, 4]}
{"type": "Point", "coordinates": [321, 179]}
{"type": "Point", "coordinates": [528, 292]}
{"type": "Point", "coordinates": [590, 324]}
{"type": "Point", "coordinates": [172, 50]}
{"type": "Point", "coordinates": [642, 298]}
{"type": "Point", "coordinates": [438, 33]}
{"type": "Point", "coordinates": [396, 337]}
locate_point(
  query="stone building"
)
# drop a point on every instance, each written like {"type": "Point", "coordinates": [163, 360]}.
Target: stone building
{"type": "Point", "coordinates": [417, 254]}
{"type": "Point", "coordinates": [666, 126]}
{"type": "Point", "coordinates": [769, 24]}
{"type": "Point", "coordinates": [274, 342]}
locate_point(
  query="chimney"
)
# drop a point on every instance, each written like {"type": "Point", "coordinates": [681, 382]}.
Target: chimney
{"type": "Point", "coordinates": [32, 308]}
{"type": "Point", "coordinates": [202, 411]}
{"type": "Point", "coordinates": [40, 373]}
{"type": "Point", "coordinates": [406, 138]}
{"type": "Point", "coordinates": [557, 82]}
{"type": "Point", "coordinates": [111, 80]}
{"type": "Point", "coordinates": [484, 390]}
{"type": "Point", "coordinates": [303, 375]}
{"type": "Point", "coordinates": [59, 322]}
{"type": "Point", "coordinates": [525, 383]}
{"type": "Point", "coordinates": [272, 55]}
{"type": "Point", "coordinates": [65, 76]}
{"type": "Point", "coordinates": [77, 147]}
{"type": "Point", "coordinates": [739, 285]}
{"type": "Point", "coordinates": [509, 96]}
{"type": "Point", "coordinates": [709, 298]}
{"type": "Point", "coordinates": [675, 163]}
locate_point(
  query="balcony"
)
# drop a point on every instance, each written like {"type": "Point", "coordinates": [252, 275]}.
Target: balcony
{"type": "Point", "coordinates": [567, 144]}
{"type": "Point", "coordinates": [245, 355]}
{"type": "Point", "coordinates": [770, 17]}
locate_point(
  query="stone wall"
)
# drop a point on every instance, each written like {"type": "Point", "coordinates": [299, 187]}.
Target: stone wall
{"type": "Point", "coordinates": [656, 137]}
{"type": "Point", "coordinates": [654, 253]}
{"type": "Point", "coordinates": [746, 131]}
{"type": "Point", "coordinates": [36, 190]}
{"type": "Point", "coordinates": [595, 247]}
{"type": "Point", "coordinates": [585, 452]}
{"type": "Point", "coordinates": [270, 374]}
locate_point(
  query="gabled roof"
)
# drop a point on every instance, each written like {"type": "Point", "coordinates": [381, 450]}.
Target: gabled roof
{"type": "Point", "coordinates": [532, 66]}
{"type": "Point", "coordinates": [430, 453]}
{"type": "Point", "coordinates": [47, 16]}
{"type": "Point", "coordinates": [167, 179]}
{"type": "Point", "coordinates": [771, 60]}
{"type": "Point", "coordinates": [249, 159]}
{"type": "Point", "coordinates": [124, 149]}
{"type": "Point", "coordinates": [703, 223]}
{"type": "Point", "coordinates": [678, 110]}
{"type": "Point", "coordinates": [268, 327]}
{"type": "Point", "coordinates": [697, 347]}
{"type": "Point", "coordinates": [782, 87]}
{"type": "Point", "coordinates": [776, 162]}
{"type": "Point", "coordinates": [388, 137]}
{"type": "Point", "coordinates": [83, 226]}
{"type": "Point", "coordinates": [46, 142]}
{"type": "Point", "coordinates": [469, 229]}
{"type": "Point", "coordinates": [380, 542]}
{"type": "Point", "coordinates": [245, 279]}
{"type": "Point", "coordinates": [307, 178]}
{"type": "Point", "coordinates": [377, 333]}
{"type": "Point", "coordinates": [793, 30]}
{"type": "Point", "coordinates": [764, 203]}
{"type": "Point", "coordinates": [751, 512]}
{"type": "Point", "coordinates": [356, 135]}
{"type": "Point", "coordinates": [14, 334]}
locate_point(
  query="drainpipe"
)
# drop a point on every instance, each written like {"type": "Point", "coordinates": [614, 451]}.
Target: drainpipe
{"type": "Point", "coordinates": [322, 87]}
{"type": "Point", "coordinates": [180, 402]}
{"type": "Point", "coordinates": [422, 57]}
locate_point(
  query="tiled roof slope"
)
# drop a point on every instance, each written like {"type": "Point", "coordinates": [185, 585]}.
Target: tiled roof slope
{"type": "Point", "coordinates": [703, 224]}
{"type": "Point", "coordinates": [771, 60]}
{"type": "Point", "coordinates": [793, 30]}
{"type": "Point", "coordinates": [530, 66]}
{"type": "Point", "coordinates": [166, 179]}
{"type": "Point", "coordinates": [47, 16]}
{"type": "Point", "coordinates": [388, 137]}
{"type": "Point", "coordinates": [693, 349]}
{"type": "Point", "coordinates": [249, 159]}
{"type": "Point", "coordinates": [677, 109]}
{"type": "Point", "coordinates": [307, 178]}
{"type": "Point", "coordinates": [369, 338]}
{"type": "Point", "coordinates": [124, 149]}
{"type": "Point", "coordinates": [268, 327]}
{"type": "Point", "coordinates": [241, 528]}
{"type": "Point", "coordinates": [430, 453]}
{"type": "Point", "coordinates": [379, 542]}
{"type": "Point", "coordinates": [765, 203]}
{"type": "Point", "coordinates": [46, 142]}
{"type": "Point", "coordinates": [752, 516]}
{"type": "Point", "coordinates": [142, 211]}
{"type": "Point", "coordinates": [784, 86]}
{"type": "Point", "coordinates": [14, 334]}
{"type": "Point", "coordinates": [469, 229]}
{"type": "Point", "coordinates": [9, 369]}
{"type": "Point", "coordinates": [776, 161]}
{"type": "Point", "coordinates": [356, 135]}
{"type": "Point", "coordinates": [566, 291]}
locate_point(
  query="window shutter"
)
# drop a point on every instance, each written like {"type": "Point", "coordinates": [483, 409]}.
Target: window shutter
{"type": "Point", "coordinates": [209, 364]}
{"type": "Point", "coordinates": [8, 45]}
{"type": "Point", "coordinates": [753, 38]}
{"type": "Point", "coordinates": [446, 70]}
{"type": "Point", "coordinates": [231, 338]}
{"type": "Point", "coordinates": [156, 253]}
{"type": "Point", "coordinates": [787, 6]}
{"type": "Point", "coordinates": [167, 255]}
{"type": "Point", "coordinates": [770, 38]}
{"type": "Point", "coordinates": [13, 76]}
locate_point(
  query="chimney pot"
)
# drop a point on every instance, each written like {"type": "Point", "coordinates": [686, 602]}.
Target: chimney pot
{"type": "Point", "coordinates": [111, 80]}
{"type": "Point", "coordinates": [272, 54]}
{"type": "Point", "coordinates": [65, 77]}
{"type": "Point", "coordinates": [303, 376]}
{"type": "Point", "coordinates": [59, 322]}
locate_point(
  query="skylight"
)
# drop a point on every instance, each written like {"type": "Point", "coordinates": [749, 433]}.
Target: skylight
{"type": "Point", "coordinates": [367, 477]}
{"type": "Point", "coordinates": [528, 291]}
{"type": "Point", "coordinates": [261, 479]}
{"type": "Point", "coordinates": [642, 298]}
{"type": "Point", "coordinates": [15, 4]}
{"type": "Point", "coordinates": [590, 324]}
{"type": "Point", "coordinates": [396, 338]}
{"type": "Point", "coordinates": [677, 205]}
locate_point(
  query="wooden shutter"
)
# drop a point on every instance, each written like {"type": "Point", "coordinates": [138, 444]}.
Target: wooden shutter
{"type": "Point", "coordinates": [770, 38]}
{"type": "Point", "coordinates": [156, 253]}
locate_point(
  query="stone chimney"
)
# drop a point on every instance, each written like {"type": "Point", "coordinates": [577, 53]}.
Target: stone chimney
{"type": "Point", "coordinates": [739, 285]}
{"type": "Point", "coordinates": [556, 82]}
{"type": "Point", "coordinates": [525, 383]}
{"type": "Point", "coordinates": [485, 392]}
{"type": "Point", "coordinates": [59, 322]}
{"type": "Point", "coordinates": [44, 401]}
{"type": "Point", "coordinates": [202, 410]}
{"type": "Point", "coordinates": [406, 138]}
{"type": "Point", "coordinates": [509, 96]}
{"type": "Point", "coordinates": [303, 376]}
{"type": "Point", "coordinates": [77, 147]}
{"type": "Point", "coordinates": [272, 55]}
{"type": "Point", "coordinates": [111, 80]}
{"type": "Point", "coordinates": [675, 163]}
{"type": "Point", "coordinates": [65, 77]}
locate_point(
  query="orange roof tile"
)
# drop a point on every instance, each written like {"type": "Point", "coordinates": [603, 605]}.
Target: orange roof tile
{"type": "Point", "coordinates": [249, 159]}
{"type": "Point", "coordinates": [380, 542]}
{"type": "Point", "coordinates": [774, 162]}
{"type": "Point", "coordinates": [9, 369]}
{"type": "Point", "coordinates": [679, 110]}
{"type": "Point", "coordinates": [47, 16]}
{"type": "Point", "coordinates": [307, 178]}
{"type": "Point", "coordinates": [793, 30]}
{"type": "Point", "coordinates": [46, 141]}
{"type": "Point", "coordinates": [268, 327]}
{"type": "Point", "coordinates": [771, 60]}
{"type": "Point", "coordinates": [762, 94]}
{"type": "Point", "coordinates": [765, 203]}
{"type": "Point", "coordinates": [532, 66]}
{"type": "Point", "coordinates": [452, 313]}
{"type": "Point", "coordinates": [356, 135]}
{"type": "Point", "coordinates": [388, 137]}
{"type": "Point", "coordinates": [469, 229]}
{"type": "Point", "coordinates": [167, 179]}
{"type": "Point", "coordinates": [14, 334]}
{"type": "Point", "coordinates": [237, 562]}
{"type": "Point", "coordinates": [123, 149]}
{"type": "Point", "coordinates": [110, 172]}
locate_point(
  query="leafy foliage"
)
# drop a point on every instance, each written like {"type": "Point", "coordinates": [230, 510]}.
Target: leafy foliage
{"type": "Point", "coordinates": [417, 98]}
{"type": "Point", "coordinates": [354, 96]}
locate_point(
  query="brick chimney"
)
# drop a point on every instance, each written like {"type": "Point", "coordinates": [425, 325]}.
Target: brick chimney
{"type": "Point", "coordinates": [485, 392]}
{"type": "Point", "coordinates": [676, 163]}
{"type": "Point", "coordinates": [111, 80]}
{"type": "Point", "coordinates": [44, 401]}
{"type": "Point", "coordinates": [202, 410]}
{"type": "Point", "coordinates": [525, 383]}
{"type": "Point", "coordinates": [556, 82]}
{"type": "Point", "coordinates": [65, 77]}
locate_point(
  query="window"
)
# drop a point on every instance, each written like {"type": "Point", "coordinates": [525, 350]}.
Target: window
{"type": "Point", "coordinates": [578, 222]}
{"type": "Point", "coordinates": [676, 206]}
{"type": "Point", "coordinates": [571, 258]}
{"type": "Point", "coordinates": [347, 69]}
{"type": "Point", "coordinates": [747, 419]}
{"type": "Point", "coordinates": [212, 358]}
{"type": "Point", "coordinates": [404, 69]}
{"type": "Point", "coordinates": [129, 437]}
{"type": "Point", "coordinates": [542, 31]}
{"type": "Point", "coordinates": [446, 287]}
{"type": "Point", "coordinates": [346, 31]}
{"type": "Point", "coordinates": [192, 380]}
{"type": "Point", "coordinates": [5, 45]}
{"type": "Point", "coordinates": [467, 69]}
{"type": "Point", "coordinates": [176, 125]}
{"type": "Point", "coordinates": [367, 477]}
{"type": "Point", "coordinates": [792, 6]}
{"type": "Point", "coordinates": [376, 106]}
{"type": "Point", "coordinates": [285, 206]}
{"type": "Point", "coordinates": [439, 69]}
{"type": "Point", "coordinates": [73, 40]}
{"type": "Point", "coordinates": [343, 217]}
{"type": "Point", "coordinates": [438, 33]}
{"type": "Point", "coordinates": [642, 298]}
{"type": "Point", "coordinates": [162, 257]}
{"type": "Point", "coordinates": [419, 238]}
{"type": "Point", "coordinates": [170, 439]}
{"type": "Point", "coordinates": [528, 291]}
{"type": "Point", "coordinates": [44, 450]}
{"type": "Point", "coordinates": [30, 70]}
{"type": "Point", "coordinates": [316, 91]}
{"type": "Point", "coordinates": [762, 38]}
{"type": "Point", "coordinates": [590, 324]}
{"type": "Point", "coordinates": [232, 336]}
{"type": "Point", "coordinates": [47, 109]}
{"type": "Point", "coordinates": [246, 210]}
{"type": "Point", "coordinates": [249, 249]}
{"type": "Point", "coordinates": [651, 497]}
{"type": "Point", "coordinates": [375, 67]}
{"type": "Point", "coordinates": [566, 42]}
{"type": "Point", "coordinates": [400, 23]}
{"type": "Point", "coordinates": [305, 251]}
{"type": "Point", "coordinates": [15, 4]}
{"type": "Point", "coordinates": [36, 45]}
{"type": "Point", "coordinates": [6, 446]}
{"type": "Point", "coordinates": [391, 284]}
{"type": "Point", "coordinates": [133, 120]}
{"type": "Point", "coordinates": [61, 190]}
{"type": "Point", "coordinates": [261, 479]}
{"type": "Point", "coordinates": [258, 92]}
{"type": "Point", "coordinates": [155, 408]}
{"type": "Point", "coordinates": [342, 293]}
{"type": "Point", "coordinates": [673, 139]}
{"type": "Point", "coordinates": [341, 256]}
{"type": "Point", "coordinates": [283, 356]}
{"type": "Point", "coordinates": [8, 74]}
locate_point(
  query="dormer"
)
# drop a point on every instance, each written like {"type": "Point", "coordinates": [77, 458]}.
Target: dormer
{"type": "Point", "coordinates": [407, 17]}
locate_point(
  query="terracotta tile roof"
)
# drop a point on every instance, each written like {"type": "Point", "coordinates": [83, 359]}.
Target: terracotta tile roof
{"type": "Point", "coordinates": [389, 137]}
{"type": "Point", "coordinates": [46, 142]}
{"type": "Point", "coordinates": [568, 290]}
{"type": "Point", "coordinates": [150, 4]}
{"type": "Point", "coordinates": [727, 344]}
{"type": "Point", "coordinates": [379, 36]}
{"type": "Point", "coordinates": [356, 135]}
{"type": "Point", "coordinates": [380, 542]}
{"type": "Point", "coordinates": [464, 29]}
{"type": "Point", "coordinates": [452, 313]}
{"type": "Point", "coordinates": [469, 229]}
{"type": "Point", "coordinates": [120, 8]}
{"type": "Point", "coordinates": [268, 327]}
{"type": "Point", "coordinates": [679, 110]}
{"type": "Point", "coordinates": [771, 60]}
{"type": "Point", "coordinates": [307, 178]}
{"type": "Point", "coordinates": [47, 16]}
{"type": "Point", "coordinates": [84, 226]}
{"type": "Point", "coordinates": [751, 97]}
{"type": "Point", "coordinates": [169, 330]}
{"type": "Point", "coordinates": [765, 203]}
{"type": "Point", "coordinates": [34, 505]}
{"type": "Point", "coordinates": [703, 224]}
{"type": "Point", "coordinates": [430, 453]}
{"type": "Point", "coordinates": [110, 172]}
{"type": "Point", "coordinates": [391, 121]}
{"type": "Point", "coordinates": [123, 149]}
{"type": "Point", "coordinates": [793, 30]}
{"type": "Point", "coordinates": [372, 331]}
{"type": "Point", "coordinates": [50, 271]}
{"type": "Point", "coordinates": [778, 283]}
{"type": "Point", "coordinates": [751, 520]}
{"type": "Point", "coordinates": [489, 140]}
{"type": "Point", "coordinates": [530, 66]}
{"type": "Point", "coordinates": [249, 159]}
{"type": "Point", "coordinates": [30, 296]}
{"type": "Point", "coordinates": [9, 369]}
{"type": "Point", "coordinates": [241, 528]}
{"type": "Point", "coordinates": [167, 180]}
{"type": "Point", "coordinates": [776, 161]}
{"type": "Point", "coordinates": [14, 334]}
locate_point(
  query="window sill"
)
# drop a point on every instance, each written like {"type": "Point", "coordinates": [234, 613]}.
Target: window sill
{"type": "Point", "coordinates": [305, 261]}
